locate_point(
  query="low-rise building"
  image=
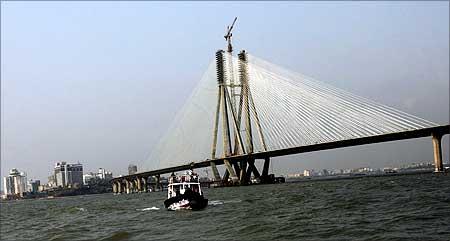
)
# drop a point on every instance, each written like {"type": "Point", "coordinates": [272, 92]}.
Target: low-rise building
{"type": "Point", "coordinates": [295, 175]}
{"type": "Point", "coordinates": [308, 173]}
{"type": "Point", "coordinates": [43, 188]}
{"type": "Point", "coordinates": [102, 174]}
{"type": "Point", "coordinates": [33, 186]}
{"type": "Point", "coordinates": [88, 177]}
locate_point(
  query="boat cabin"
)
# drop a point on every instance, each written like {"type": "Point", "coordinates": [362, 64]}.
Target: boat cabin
{"type": "Point", "coordinates": [179, 184]}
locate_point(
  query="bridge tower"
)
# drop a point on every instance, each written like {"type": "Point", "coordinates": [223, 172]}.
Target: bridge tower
{"type": "Point", "coordinates": [240, 117]}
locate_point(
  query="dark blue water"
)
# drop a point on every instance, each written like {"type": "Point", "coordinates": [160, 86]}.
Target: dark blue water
{"type": "Point", "coordinates": [414, 207]}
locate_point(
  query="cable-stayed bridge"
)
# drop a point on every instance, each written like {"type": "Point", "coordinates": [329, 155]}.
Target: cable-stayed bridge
{"type": "Point", "coordinates": [246, 109]}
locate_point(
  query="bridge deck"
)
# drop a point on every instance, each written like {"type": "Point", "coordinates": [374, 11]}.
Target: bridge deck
{"type": "Point", "coordinates": [444, 129]}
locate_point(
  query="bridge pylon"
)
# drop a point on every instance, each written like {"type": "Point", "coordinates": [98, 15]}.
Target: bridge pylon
{"type": "Point", "coordinates": [242, 115]}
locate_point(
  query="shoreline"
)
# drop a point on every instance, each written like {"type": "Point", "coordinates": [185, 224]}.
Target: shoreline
{"type": "Point", "coordinates": [345, 177]}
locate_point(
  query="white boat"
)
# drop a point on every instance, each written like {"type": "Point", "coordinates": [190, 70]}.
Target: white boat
{"type": "Point", "coordinates": [184, 192]}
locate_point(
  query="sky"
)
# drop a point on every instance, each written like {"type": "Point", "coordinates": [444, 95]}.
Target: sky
{"type": "Point", "coordinates": [99, 82]}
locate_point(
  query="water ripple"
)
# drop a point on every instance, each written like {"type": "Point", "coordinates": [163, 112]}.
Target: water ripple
{"type": "Point", "coordinates": [412, 207]}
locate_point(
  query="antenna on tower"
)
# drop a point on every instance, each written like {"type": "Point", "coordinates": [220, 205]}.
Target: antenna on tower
{"type": "Point", "coordinates": [229, 35]}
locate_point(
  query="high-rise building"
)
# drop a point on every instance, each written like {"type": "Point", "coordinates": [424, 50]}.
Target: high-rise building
{"type": "Point", "coordinates": [132, 169]}
{"type": "Point", "coordinates": [15, 183]}
{"type": "Point", "coordinates": [68, 175]}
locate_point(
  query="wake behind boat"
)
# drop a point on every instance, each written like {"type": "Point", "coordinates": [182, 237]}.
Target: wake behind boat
{"type": "Point", "coordinates": [184, 192]}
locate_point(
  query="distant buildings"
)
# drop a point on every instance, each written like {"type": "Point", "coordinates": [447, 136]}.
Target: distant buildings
{"type": "Point", "coordinates": [66, 179]}
{"type": "Point", "coordinates": [51, 181]}
{"type": "Point", "coordinates": [132, 169]}
{"type": "Point", "coordinates": [363, 170]}
{"type": "Point", "coordinates": [294, 175]}
{"type": "Point", "coordinates": [33, 186]}
{"type": "Point", "coordinates": [88, 177]}
{"type": "Point", "coordinates": [308, 173]}
{"type": "Point", "coordinates": [102, 174]}
{"type": "Point", "coordinates": [15, 184]}
{"type": "Point", "coordinates": [68, 175]}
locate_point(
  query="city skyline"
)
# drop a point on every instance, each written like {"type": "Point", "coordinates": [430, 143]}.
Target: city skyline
{"type": "Point", "coordinates": [64, 177]}
{"type": "Point", "coordinates": [102, 93]}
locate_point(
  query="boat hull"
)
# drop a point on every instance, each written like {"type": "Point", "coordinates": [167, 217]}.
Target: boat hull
{"type": "Point", "coordinates": [186, 202]}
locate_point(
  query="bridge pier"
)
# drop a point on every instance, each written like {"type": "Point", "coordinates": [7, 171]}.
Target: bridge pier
{"type": "Point", "coordinates": [114, 187]}
{"type": "Point", "coordinates": [437, 150]}
{"type": "Point", "coordinates": [229, 173]}
{"type": "Point", "coordinates": [237, 170]}
{"type": "Point", "coordinates": [144, 184]}
{"type": "Point", "coordinates": [119, 187]}
{"type": "Point", "coordinates": [243, 175]}
{"type": "Point", "coordinates": [252, 169]}
{"type": "Point", "coordinates": [138, 184]}
{"type": "Point", "coordinates": [127, 186]}
{"type": "Point", "coordinates": [265, 171]}
{"type": "Point", "coordinates": [133, 186]}
{"type": "Point", "coordinates": [215, 172]}
{"type": "Point", "coordinates": [158, 183]}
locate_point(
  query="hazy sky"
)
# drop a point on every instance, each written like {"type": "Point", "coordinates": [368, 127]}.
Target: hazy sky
{"type": "Point", "coordinates": [99, 82]}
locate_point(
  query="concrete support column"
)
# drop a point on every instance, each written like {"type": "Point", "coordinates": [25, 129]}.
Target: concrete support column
{"type": "Point", "coordinates": [251, 162]}
{"type": "Point", "coordinates": [226, 175]}
{"type": "Point", "coordinates": [243, 175]}
{"type": "Point", "coordinates": [138, 184]}
{"type": "Point", "coordinates": [215, 172]}
{"type": "Point", "coordinates": [144, 184]}
{"type": "Point", "coordinates": [437, 149]}
{"type": "Point", "coordinates": [114, 187]}
{"type": "Point", "coordinates": [237, 169]}
{"type": "Point", "coordinates": [128, 186]}
{"type": "Point", "coordinates": [230, 172]}
{"type": "Point", "coordinates": [265, 171]}
{"type": "Point", "coordinates": [119, 186]}
{"type": "Point", "coordinates": [158, 184]}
